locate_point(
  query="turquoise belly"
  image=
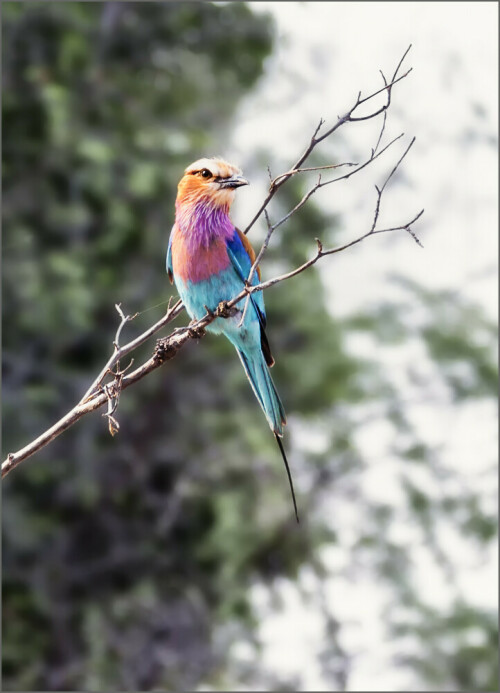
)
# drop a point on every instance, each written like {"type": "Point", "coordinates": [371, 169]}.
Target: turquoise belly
{"type": "Point", "coordinates": [210, 292]}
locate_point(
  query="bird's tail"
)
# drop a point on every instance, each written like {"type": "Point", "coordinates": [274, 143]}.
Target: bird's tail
{"type": "Point", "coordinates": [262, 384]}
{"type": "Point", "coordinates": [263, 387]}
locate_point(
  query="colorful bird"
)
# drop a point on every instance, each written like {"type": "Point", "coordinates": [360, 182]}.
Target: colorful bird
{"type": "Point", "coordinates": [210, 259]}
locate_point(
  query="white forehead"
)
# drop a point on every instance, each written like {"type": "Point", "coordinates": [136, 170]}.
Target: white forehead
{"type": "Point", "coordinates": [217, 166]}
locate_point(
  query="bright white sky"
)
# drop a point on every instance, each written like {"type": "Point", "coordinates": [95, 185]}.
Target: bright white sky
{"type": "Point", "coordinates": [327, 52]}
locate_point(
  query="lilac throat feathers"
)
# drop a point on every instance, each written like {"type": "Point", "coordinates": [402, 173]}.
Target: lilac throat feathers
{"type": "Point", "coordinates": [201, 222]}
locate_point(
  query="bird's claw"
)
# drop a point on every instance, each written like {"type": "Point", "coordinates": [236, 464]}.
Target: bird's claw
{"type": "Point", "coordinates": [224, 311]}
{"type": "Point", "coordinates": [195, 332]}
{"type": "Point", "coordinates": [163, 350]}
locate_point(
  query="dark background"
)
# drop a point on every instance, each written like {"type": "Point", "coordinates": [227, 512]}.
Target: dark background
{"type": "Point", "coordinates": [128, 562]}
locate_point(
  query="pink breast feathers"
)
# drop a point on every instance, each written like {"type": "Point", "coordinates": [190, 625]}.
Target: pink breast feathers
{"type": "Point", "coordinates": [198, 263]}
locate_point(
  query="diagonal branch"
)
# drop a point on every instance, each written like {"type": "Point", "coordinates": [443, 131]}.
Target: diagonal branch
{"type": "Point", "coordinates": [119, 352]}
{"type": "Point", "coordinates": [101, 392]}
{"type": "Point", "coordinates": [348, 117]}
{"type": "Point", "coordinates": [168, 347]}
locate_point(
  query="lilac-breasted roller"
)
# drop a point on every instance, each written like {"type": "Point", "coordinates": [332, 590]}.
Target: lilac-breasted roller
{"type": "Point", "coordinates": [210, 259]}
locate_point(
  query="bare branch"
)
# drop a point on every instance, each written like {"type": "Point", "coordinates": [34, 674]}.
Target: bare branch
{"type": "Point", "coordinates": [119, 352]}
{"type": "Point", "coordinates": [382, 129]}
{"type": "Point", "coordinates": [100, 392]}
{"type": "Point", "coordinates": [365, 164]}
{"type": "Point", "coordinates": [322, 253]}
{"type": "Point", "coordinates": [167, 348]}
{"type": "Point", "coordinates": [412, 233]}
{"type": "Point", "coordinates": [293, 172]}
{"type": "Point", "coordinates": [380, 191]}
{"type": "Point", "coordinates": [346, 118]}
{"type": "Point", "coordinates": [299, 204]}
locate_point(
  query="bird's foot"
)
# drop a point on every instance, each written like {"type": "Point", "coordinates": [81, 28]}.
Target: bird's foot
{"type": "Point", "coordinates": [224, 311]}
{"type": "Point", "coordinates": [195, 332]}
{"type": "Point", "coordinates": [163, 350]}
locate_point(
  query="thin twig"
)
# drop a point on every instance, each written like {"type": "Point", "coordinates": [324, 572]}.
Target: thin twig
{"type": "Point", "coordinates": [380, 191]}
{"type": "Point", "coordinates": [382, 129]}
{"type": "Point", "coordinates": [293, 172]}
{"type": "Point", "coordinates": [322, 253]}
{"type": "Point", "coordinates": [346, 118]}
{"type": "Point", "coordinates": [119, 352]}
{"type": "Point", "coordinates": [364, 165]}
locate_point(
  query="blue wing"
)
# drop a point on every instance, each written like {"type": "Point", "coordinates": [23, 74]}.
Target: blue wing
{"type": "Point", "coordinates": [169, 266]}
{"type": "Point", "coordinates": [242, 263]}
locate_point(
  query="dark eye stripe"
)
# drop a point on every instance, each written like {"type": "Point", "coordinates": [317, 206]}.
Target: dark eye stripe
{"type": "Point", "coordinates": [202, 171]}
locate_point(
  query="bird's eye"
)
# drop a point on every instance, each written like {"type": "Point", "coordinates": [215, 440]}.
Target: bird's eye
{"type": "Point", "coordinates": [206, 173]}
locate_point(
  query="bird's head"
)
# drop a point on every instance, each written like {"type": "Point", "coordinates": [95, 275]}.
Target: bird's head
{"type": "Point", "coordinates": [210, 181]}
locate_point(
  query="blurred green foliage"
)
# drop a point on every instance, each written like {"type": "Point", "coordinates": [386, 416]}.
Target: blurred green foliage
{"type": "Point", "coordinates": [128, 562]}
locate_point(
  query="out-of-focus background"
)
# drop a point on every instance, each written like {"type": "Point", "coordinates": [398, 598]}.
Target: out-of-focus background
{"type": "Point", "coordinates": [167, 557]}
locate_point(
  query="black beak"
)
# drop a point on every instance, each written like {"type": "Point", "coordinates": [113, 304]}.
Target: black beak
{"type": "Point", "coordinates": [232, 182]}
